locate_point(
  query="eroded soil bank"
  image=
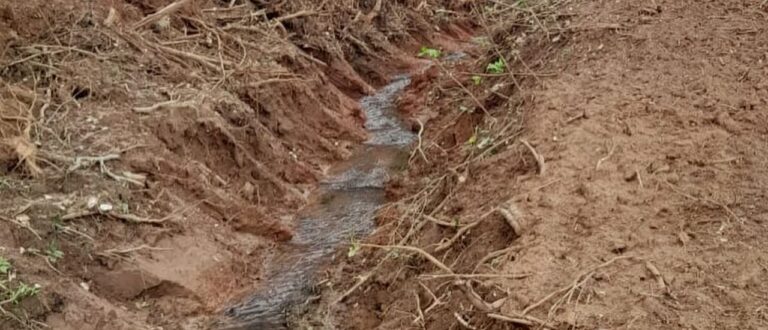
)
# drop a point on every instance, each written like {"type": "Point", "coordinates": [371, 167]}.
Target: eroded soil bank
{"type": "Point", "coordinates": [155, 153]}
{"type": "Point", "coordinates": [592, 164]}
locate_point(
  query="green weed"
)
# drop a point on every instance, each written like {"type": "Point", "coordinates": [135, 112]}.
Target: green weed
{"type": "Point", "coordinates": [477, 80]}
{"type": "Point", "coordinates": [16, 295]}
{"type": "Point", "coordinates": [498, 66]}
{"type": "Point", "coordinates": [354, 248]}
{"type": "Point", "coordinates": [5, 266]}
{"type": "Point", "coordinates": [53, 253]}
{"type": "Point", "coordinates": [10, 293]}
{"type": "Point", "coordinates": [430, 52]}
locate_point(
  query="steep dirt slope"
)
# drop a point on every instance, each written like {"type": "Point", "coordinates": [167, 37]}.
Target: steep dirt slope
{"type": "Point", "coordinates": [154, 152]}
{"type": "Point", "coordinates": [667, 167]}
{"type": "Point", "coordinates": [650, 118]}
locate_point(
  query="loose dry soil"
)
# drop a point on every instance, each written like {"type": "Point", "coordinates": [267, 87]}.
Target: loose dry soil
{"type": "Point", "coordinates": [650, 119]}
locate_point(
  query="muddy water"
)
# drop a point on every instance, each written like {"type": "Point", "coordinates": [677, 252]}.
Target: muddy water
{"type": "Point", "coordinates": [345, 210]}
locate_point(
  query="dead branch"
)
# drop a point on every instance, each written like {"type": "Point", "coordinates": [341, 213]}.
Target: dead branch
{"type": "Point", "coordinates": [77, 214]}
{"type": "Point", "coordinates": [441, 222]}
{"type": "Point", "coordinates": [463, 230]}
{"type": "Point", "coordinates": [419, 145]}
{"type": "Point", "coordinates": [203, 60]}
{"type": "Point", "coordinates": [463, 322]}
{"type": "Point", "coordinates": [524, 320]}
{"type": "Point", "coordinates": [138, 219]}
{"type": "Point", "coordinates": [610, 153]}
{"type": "Point", "coordinates": [110, 252]}
{"type": "Point", "coordinates": [170, 104]}
{"type": "Point", "coordinates": [67, 48]}
{"type": "Point", "coordinates": [22, 224]}
{"type": "Point", "coordinates": [272, 81]}
{"type": "Point", "coordinates": [119, 216]}
{"type": "Point", "coordinates": [706, 200]}
{"type": "Point", "coordinates": [167, 10]}
{"type": "Point", "coordinates": [657, 275]}
{"type": "Point", "coordinates": [81, 161]}
{"type": "Point", "coordinates": [297, 14]}
{"type": "Point", "coordinates": [512, 216]}
{"type": "Point", "coordinates": [444, 246]}
{"type": "Point", "coordinates": [539, 158]}
{"type": "Point", "coordinates": [575, 282]}
{"type": "Point", "coordinates": [360, 281]}
{"type": "Point", "coordinates": [111, 17]}
{"type": "Point", "coordinates": [581, 115]}
{"type": "Point", "coordinates": [476, 300]}
{"type": "Point", "coordinates": [426, 255]}
{"type": "Point", "coordinates": [472, 276]}
{"type": "Point", "coordinates": [498, 253]}
{"type": "Point", "coordinates": [464, 88]}
{"type": "Point", "coordinates": [374, 12]}
{"type": "Point", "coordinates": [435, 300]}
{"type": "Point", "coordinates": [420, 318]}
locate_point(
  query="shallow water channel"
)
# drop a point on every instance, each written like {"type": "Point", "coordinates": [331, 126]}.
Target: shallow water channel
{"type": "Point", "coordinates": [345, 209]}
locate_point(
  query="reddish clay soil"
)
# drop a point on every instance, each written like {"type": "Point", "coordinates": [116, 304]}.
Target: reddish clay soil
{"type": "Point", "coordinates": [645, 210]}
{"type": "Point", "coordinates": [210, 126]}
{"type": "Point", "coordinates": [650, 212]}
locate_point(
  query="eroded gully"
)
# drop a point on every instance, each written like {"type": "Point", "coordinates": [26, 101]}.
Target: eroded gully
{"type": "Point", "coordinates": [345, 210]}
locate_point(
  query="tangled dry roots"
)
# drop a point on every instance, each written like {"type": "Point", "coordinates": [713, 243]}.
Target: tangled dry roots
{"type": "Point", "coordinates": [16, 123]}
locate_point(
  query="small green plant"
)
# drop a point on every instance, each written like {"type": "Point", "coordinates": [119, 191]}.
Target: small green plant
{"type": "Point", "coordinates": [472, 140]}
{"type": "Point", "coordinates": [5, 266]}
{"type": "Point", "coordinates": [23, 290]}
{"type": "Point", "coordinates": [477, 80]}
{"type": "Point", "coordinates": [10, 293]}
{"type": "Point", "coordinates": [53, 253]}
{"type": "Point", "coordinates": [481, 139]}
{"type": "Point", "coordinates": [430, 52]}
{"type": "Point", "coordinates": [354, 248]}
{"type": "Point", "coordinates": [498, 66]}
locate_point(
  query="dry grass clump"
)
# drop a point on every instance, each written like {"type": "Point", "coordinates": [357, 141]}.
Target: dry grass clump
{"type": "Point", "coordinates": [17, 150]}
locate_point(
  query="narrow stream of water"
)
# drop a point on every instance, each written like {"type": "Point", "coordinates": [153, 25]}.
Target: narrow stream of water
{"type": "Point", "coordinates": [345, 209]}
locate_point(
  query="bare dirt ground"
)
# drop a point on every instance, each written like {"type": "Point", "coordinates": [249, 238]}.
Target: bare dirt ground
{"type": "Point", "coordinates": [645, 210]}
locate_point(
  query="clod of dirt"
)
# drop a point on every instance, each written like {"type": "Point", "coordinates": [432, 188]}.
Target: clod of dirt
{"type": "Point", "coordinates": [124, 284]}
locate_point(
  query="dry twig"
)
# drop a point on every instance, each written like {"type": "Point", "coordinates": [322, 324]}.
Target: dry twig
{"type": "Point", "coordinates": [473, 276]}
{"type": "Point", "coordinates": [575, 283]}
{"type": "Point", "coordinates": [419, 145]}
{"type": "Point", "coordinates": [167, 10]}
{"type": "Point", "coordinates": [524, 320]}
{"type": "Point", "coordinates": [657, 275]}
{"type": "Point", "coordinates": [539, 158]}
{"type": "Point", "coordinates": [610, 153]}
{"type": "Point", "coordinates": [170, 104]}
{"type": "Point", "coordinates": [463, 322]}
{"type": "Point", "coordinates": [426, 255]}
